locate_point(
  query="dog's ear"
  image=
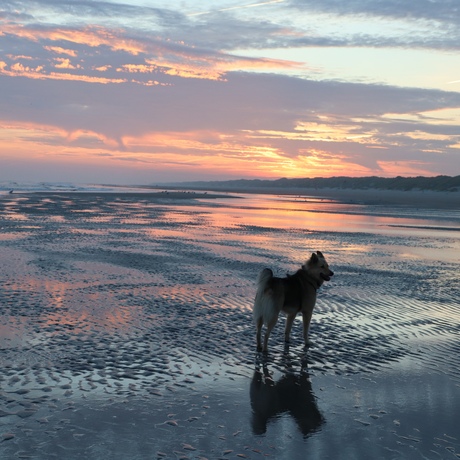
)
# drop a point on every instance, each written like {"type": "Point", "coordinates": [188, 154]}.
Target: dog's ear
{"type": "Point", "coordinates": [320, 254]}
{"type": "Point", "coordinates": [313, 259]}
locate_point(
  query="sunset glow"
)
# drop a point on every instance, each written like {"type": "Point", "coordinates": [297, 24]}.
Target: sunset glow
{"type": "Point", "coordinates": [230, 90]}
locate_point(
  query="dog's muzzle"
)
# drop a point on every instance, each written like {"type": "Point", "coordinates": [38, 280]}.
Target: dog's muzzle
{"type": "Point", "coordinates": [327, 277]}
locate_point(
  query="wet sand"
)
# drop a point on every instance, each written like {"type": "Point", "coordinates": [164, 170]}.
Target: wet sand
{"type": "Point", "coordinates": [126, 332]}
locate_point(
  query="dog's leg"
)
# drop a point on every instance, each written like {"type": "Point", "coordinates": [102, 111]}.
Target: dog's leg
{"type": "Point", "coordinates": [287, 330]}
{"type": "Point", "coordinates": [306, 317]}
{"type": "Point", "coordinates": [270, 326]}
{"type": "Point", "coordinates": [259, 325]}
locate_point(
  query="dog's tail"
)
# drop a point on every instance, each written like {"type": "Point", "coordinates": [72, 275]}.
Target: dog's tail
{"type": "Point", "coordinates": [264, 307]}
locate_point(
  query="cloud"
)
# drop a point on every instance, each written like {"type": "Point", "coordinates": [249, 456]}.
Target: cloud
{"type": "Point", "coordinates": [431, 10]}
{"type": "Point", "coordinates": [428, 24]}
{"type": "Point", "coordinates": [34, 10]}
{"type": "Point", "coordinates": [256, 113]}
{"type": "Point", "coordinates": [137, 29]}
{"type": "Point", "coordinates": [381, 24]}
{"type": "Point", "coordinates": [82, 49]}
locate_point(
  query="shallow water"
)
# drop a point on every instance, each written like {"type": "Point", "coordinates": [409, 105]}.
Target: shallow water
{"type": "Point", "coordinates": [125, 329]}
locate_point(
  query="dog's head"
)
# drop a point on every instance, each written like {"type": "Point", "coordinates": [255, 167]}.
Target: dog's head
{"type": "Point", "coordinates": [318, 268]}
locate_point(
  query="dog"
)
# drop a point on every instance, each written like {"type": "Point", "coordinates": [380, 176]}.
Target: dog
{"type": "Point", "coordinates": [294, 294]}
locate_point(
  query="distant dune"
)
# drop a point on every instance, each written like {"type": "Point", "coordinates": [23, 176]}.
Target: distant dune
{"type": "Point", "coordinates": [435, 184]}
{"type": "Point", "coordinates": [420, 192]}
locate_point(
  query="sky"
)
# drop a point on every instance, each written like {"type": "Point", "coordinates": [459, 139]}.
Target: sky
{"type": "Point", "coordinates": [157, 91]}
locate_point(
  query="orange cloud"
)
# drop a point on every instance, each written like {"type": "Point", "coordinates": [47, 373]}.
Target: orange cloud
{"type": "Point", "coordinates": [150, 83]}
{"type": "Point", "coordinates": [405, 168]}
{"type": "Point", "coordinates": [87, 134]}
{"type": "Point", "coordinates": [15, 58]}
{"type": "Point", "coordinates": [182, 61]}
{"type": "Point", "coordinates": [52, 135]}
{"type": "Point", "coordinates": [215, 67]}
{"type": "Point", "coordinates": [240, 63]}
{"type": "Point", "coordinates": [213, 151]}
{"type": "Point", "coordinates": [92, 36]}
{"type": "Point", "coordinates": [136, 68]}
{"type": "Point", "coordinates": [65, 64]}
{"type": "Point", "coordinates": [59, 50]}
{"type": "Point", "coordinates": [209, 153]}
{"type": "Point", "coordinates": [321, 163]}
{"type": "Point", "coordinates": [37, 73]}
{"type": "Point", "coordinates": [322, 132]}
{"type": "Point", "coordinates": [103, 68]}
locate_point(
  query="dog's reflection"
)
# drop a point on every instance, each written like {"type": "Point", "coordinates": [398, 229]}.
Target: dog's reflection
{"type": "Point", "coordinates": [291, 394]}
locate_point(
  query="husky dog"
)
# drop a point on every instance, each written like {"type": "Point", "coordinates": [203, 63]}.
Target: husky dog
{"type": "Point", "coordinates": [294, 294]}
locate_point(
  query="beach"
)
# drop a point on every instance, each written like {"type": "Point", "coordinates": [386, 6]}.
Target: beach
{"type": "Point", "coordinates": [126, 327]}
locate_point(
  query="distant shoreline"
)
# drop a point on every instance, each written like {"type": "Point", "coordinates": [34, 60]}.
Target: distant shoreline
{"type": "Point", "coordinates": [420, 199]}
{"type": "Point", "coordinates": [151, 192]}
{"type": "Point", "coordinates": [415, 198]}
{"type": "Point", "coordinates": [423, 192]}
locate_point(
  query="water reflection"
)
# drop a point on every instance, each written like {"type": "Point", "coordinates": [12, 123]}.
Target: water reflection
{"type": "Point", "coordinates": [291, 394]}
{"type": "Point", "coordinates": [271, 211]}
